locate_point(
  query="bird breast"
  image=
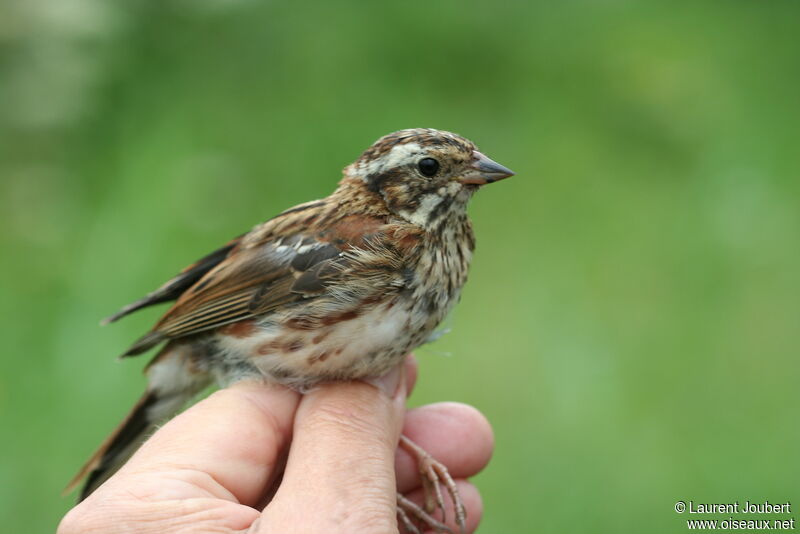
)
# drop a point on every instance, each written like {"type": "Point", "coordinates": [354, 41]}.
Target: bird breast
{"type": "Point", "coordinates": [361, 340]}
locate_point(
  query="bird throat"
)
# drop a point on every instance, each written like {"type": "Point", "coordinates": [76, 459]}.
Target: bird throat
{"type": "Point", "coordinates": [436, 208]}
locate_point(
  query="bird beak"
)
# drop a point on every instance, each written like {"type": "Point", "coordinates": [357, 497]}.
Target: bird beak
{"type": "Point", "coordinates": [484, 171]}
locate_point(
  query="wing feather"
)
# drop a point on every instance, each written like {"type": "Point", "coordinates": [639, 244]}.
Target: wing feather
{"type": "Point", "coordinates": [174, 287]}
{"type": "Point", "coordinates": [257, 278]}
{"type": "Point", "coordinates": [246, 284]}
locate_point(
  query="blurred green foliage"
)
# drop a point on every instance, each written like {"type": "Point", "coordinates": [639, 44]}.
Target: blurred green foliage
{"type": "Point", "coordinates": [631, 322]}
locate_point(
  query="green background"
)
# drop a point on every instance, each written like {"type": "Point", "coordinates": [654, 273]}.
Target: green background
{"type": "Point", "coordinates": [630, 326]}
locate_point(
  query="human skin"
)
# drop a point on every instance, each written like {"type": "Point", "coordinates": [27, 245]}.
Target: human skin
{"type": "Point", "coordinates": [210, 468]}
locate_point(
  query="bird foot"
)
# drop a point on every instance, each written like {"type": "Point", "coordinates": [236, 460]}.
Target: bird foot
{"type": "Point", "coordinates": [434, 474]}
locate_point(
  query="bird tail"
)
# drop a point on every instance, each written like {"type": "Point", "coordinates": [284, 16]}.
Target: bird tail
{"type": "Point", "coordinates": [160, 401]}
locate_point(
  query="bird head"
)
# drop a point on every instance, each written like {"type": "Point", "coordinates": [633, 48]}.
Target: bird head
{"type": "Point", "coordinates": [424, 175]}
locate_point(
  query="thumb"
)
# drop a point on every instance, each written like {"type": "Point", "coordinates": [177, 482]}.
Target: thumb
{"type": "Point", "coordinates": [340, 473]}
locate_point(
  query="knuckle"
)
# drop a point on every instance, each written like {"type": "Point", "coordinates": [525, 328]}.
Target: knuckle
{"type": "Point", "coordinates": [78, 522]}
{"type": "Point", "coordinates": [376, 513]}
{"type": "Point", "coordinates": [377, 522]}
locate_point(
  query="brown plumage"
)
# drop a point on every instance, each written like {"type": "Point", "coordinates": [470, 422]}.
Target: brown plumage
{"type": "Point", "coordinates": [334, 289]}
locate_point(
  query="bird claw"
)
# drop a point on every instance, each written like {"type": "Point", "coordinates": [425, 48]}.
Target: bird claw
{"type": "Point", "coordinates": [406, 507]}
{"type": "Point", "coordinates": [434, 474]}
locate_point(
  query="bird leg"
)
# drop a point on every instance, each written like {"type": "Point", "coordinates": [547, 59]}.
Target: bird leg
{"type": "Point", "coordinates": [434, 474]}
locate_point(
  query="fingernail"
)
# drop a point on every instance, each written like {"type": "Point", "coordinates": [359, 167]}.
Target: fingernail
{"type": "Point", "coordinates": [391, 382]}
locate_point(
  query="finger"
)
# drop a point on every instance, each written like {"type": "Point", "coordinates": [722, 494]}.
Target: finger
{"type": "Point", "coordinates": [472, 502]}
{"type": "Point", "coordinates": [340, 470]}
{"type": "Point", "coordinates": [226, 446]}
{"type": "Point", "coordinates": [411, 368]}
{"type": "Point", "coordinates": [455, 434]}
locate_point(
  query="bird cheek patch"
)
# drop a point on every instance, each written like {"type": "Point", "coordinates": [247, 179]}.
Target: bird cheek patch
{"type": "Point", "coordinates": [422, 213]}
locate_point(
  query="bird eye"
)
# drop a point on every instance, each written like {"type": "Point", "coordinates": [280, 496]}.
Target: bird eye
{"type": "Point", "coordinates": [428, 166]}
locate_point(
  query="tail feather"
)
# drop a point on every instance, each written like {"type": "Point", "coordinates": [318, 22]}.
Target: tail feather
{"type": "Point", "coordinates": [173, 382]}
{"type": "Point", "coordinates": [110, 455]}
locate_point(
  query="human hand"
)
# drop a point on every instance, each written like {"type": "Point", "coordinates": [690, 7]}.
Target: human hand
{"type": "Point", "coordinates": [212, 468]}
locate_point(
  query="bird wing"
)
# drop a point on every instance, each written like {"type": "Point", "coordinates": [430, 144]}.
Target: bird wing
{"type": "Point", "coordinates": [175, 287]}
{"type": "Point", "coordinates": [276, 272]}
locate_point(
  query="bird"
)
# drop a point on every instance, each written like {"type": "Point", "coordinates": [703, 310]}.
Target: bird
{"type": "Point", "coordinates": [335, 289]}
